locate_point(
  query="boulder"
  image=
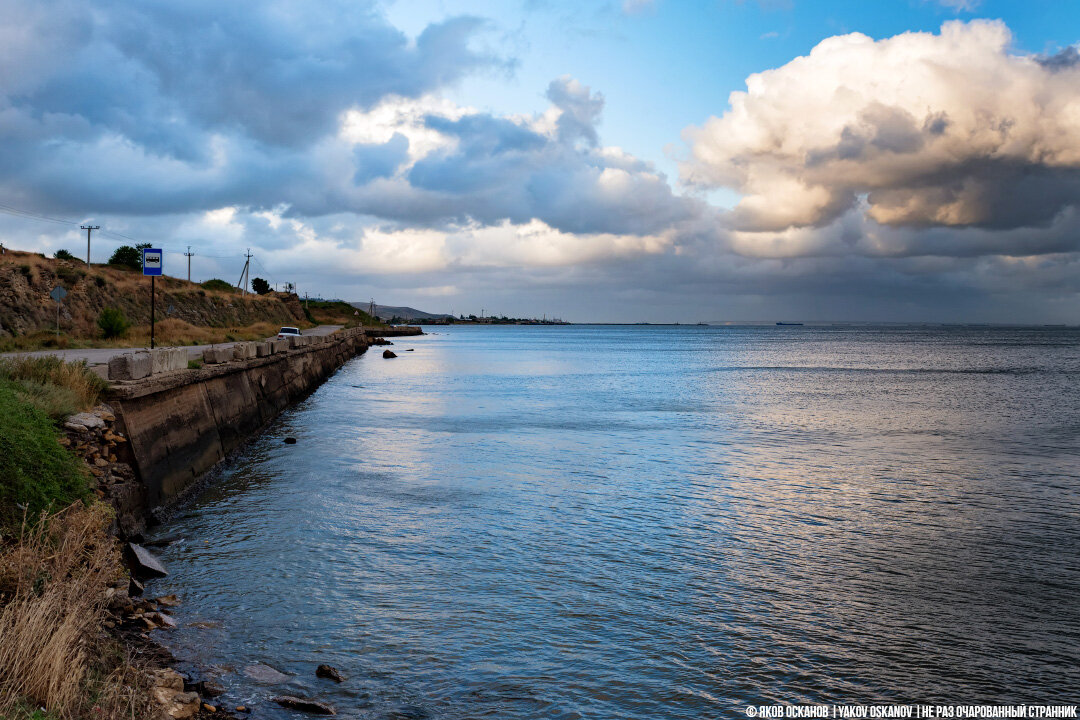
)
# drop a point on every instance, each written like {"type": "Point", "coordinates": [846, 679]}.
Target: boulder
{"type": "Point", "coordinates": [168, 601]}
{"type": "Point", "coordinates": [389, 354]}
{"type": "Point", "coordinates": [304, 705]}
{"type": "Point", "coordinates": [142, 563]}
{"type": "Point", "coordinates": [131, 366]}
{"type": "Point", "coordinates": [177, 705]}
{"type": "Point", "coordinates": [211, 689]}
{"type": "Point", "coordinates": [330, 673]}
{"type": "Point", "coordinates": [135, 588]}
{"type": "Point", "coordinates": [84, 421]}
{"type": "Point", "coordinates": [265, 674]}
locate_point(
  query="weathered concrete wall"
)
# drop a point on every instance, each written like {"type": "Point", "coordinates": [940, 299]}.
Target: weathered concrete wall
{"type": "Point", "coordinates": [180, 424]}
{"type": "Point", "coordinates": [400, 331]}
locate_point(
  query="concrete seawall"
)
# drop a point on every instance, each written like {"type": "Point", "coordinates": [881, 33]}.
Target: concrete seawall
{"type": "Point", "coordinates": [400, 331]}
{"type": "Point", "coordinates": [180, 424]}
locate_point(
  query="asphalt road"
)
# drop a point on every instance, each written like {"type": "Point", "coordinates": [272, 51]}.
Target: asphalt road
{"type": "Point", "coordinates": [100, 356]}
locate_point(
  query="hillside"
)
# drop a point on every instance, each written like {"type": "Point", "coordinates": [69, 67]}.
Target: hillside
{"type": "Point", "coordinates": [28, 314]}
{"type": "Point", "coordinates": [387, 312]}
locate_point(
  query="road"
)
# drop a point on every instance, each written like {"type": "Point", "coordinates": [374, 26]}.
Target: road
{"type": "Point", "coordinates": [100, 356]}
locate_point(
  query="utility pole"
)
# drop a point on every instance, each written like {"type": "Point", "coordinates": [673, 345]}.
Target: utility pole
{"type": "Point", "coordinates": [244, 273]}
{"type": "Point", "coordinates": [88, 229]}
{"type": "Point", "coordinates": [189, 254]}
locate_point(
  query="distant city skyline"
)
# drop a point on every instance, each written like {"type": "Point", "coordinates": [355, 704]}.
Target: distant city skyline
{"type": "Point", "coordinates": [604, 160]}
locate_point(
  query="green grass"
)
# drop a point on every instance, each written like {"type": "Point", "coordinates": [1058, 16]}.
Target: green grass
{"type": "Point", "coordinates": [36, 472]}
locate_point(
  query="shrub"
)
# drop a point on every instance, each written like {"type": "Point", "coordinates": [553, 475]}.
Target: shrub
{"type": "Point", "coordinates": [26, 270]}
{"type": "Point", "coordinates": [100, 281]}
{"type": "Point", "coordinates": [112, 322]}
{"type": "Point", "coordinates": [260, 286]}
{"type": "Point", "coordinates": [65, 255]}
{"type": "Point", "coordinates": [70, 275]}
{"type": "Point", "coordinates": [127, 257]}
{"type": "Point", "coordinates": [218, 285]}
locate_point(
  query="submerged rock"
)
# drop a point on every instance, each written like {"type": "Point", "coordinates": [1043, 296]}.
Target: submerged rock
{"type": "Point", "coordinates": [389, 354]}
{"type": "Point", "coordinates": [330, 673]}
{"type": "Point", "coordinates": [168, 601]}
{"type": "Point", "coordinates": [290, 441]}
{"type": "Point", "coordinates": [265, 674]}
{"type": "Point", "coordinates": [304, 705]}
{"type": "Point", "coordinates": [142, 563]}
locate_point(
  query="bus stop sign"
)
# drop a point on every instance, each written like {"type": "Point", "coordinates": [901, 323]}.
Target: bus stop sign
{"type": "Point", "coordinates": [151, 261]}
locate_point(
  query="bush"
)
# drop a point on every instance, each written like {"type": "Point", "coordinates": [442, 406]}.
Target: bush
{"type": "Point", "coordinates": [112, 322]}
{"type": "Point", "coordinates": [218, 285]}
{"type": "Point", "coordinates": [70, 276]}
{"type": "Point", "coordinates": [127, 257]}
{"type": "Point", "coordinates": [65, 255]}
{"type": "Point", "coordinates": [100, 281]}
{"type": "Point", "coordinates": [260, 286]}
{"type": "Point", "coordinates": [53, 386]}
{"type": "Point", "coordinates": [194, 364]}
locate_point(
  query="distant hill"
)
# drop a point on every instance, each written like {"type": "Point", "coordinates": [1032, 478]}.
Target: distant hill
{"type": "Point", "coordinates": [386, 312]}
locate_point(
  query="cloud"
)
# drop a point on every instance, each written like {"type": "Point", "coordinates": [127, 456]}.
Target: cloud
{"type": "Point", "coordinates": [960, 5]}
{"type": "Point", "coordinates": [633, 7]}
{"type": "Point", "coordinates": [921, 130]}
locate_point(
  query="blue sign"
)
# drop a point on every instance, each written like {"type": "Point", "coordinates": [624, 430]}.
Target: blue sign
{"type": "Point", "coordinates": [151, 261]}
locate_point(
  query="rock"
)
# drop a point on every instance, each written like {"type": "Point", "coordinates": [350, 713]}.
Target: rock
{"type": "Point", "coordinates": [135, 588]}
{"type": "Point", "coordinates": [410, 350]}
{"type": "Point", "coordinates": [290, 441]}
{"type": "Point", "coordinates": [142, 563]}
{"type": "Point", "coordinates": [167, 678]}
{"type": "Point", "coordinates": [389, 354]}
{"type": "Point", "coordinates": [304, 705]}
{"type": "Point", "coordinates": [177, 705]}
{"type": "Point", "coordinates": [87, 420]}
{"type": "Point", "coordinates": [265, 674]}
{"type": "Point", "coordinates": [164, 621]}
{"type": "Point", "coordinates": [241, 708]}
{"type": "Point", "coordinates": [330, 673]}
{"type": "Point", "coordinates": [211, 689]}
{"type": "Point", "coordinates": [167, 601]}
{"type": "Point", "coordinates": [209, 708]}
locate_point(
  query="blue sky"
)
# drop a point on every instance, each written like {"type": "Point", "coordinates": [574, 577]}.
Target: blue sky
{"type": "Point", "coordinates": [602, 160]}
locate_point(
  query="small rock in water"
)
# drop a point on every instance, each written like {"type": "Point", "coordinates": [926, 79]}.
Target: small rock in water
{"type": "Point", "coordinates": [265, 674]}
{"type": "Point", "coordinates": [241, 708]}
{"type": "Point", "coordinates": [409, 350]}
{"type": "Point", "coordinates": [330, 673]}
{"type": "Point", "coordinates": [142, 563]}
{"type": "Point", "coordinates": [168, 601]}
{"type": "Point", "coordinates": [389, 354]}
{"type": "Point", "coordinates": [211, 689]}
{"type": "Point", "coordinates": [290, 441]}
{"type": "Point", "coordinates": [304, 705]}
{"type": "Point", "coordinates": [135, 588]}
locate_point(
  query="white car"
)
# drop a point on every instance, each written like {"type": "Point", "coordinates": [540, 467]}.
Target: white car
{"type": "Point", "coordinates": [288, 332]}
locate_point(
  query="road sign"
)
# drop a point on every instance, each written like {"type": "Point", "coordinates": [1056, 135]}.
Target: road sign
{"type": "Point", "coordinates": [151, 261]}
{"type": "Point", "coordinates": [58, 293]}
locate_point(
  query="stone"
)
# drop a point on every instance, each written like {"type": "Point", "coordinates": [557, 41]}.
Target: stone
{"type": "Point", "coordinates": [88, 421]}
{"type": "Point", "coordinates": [101, 370]}
{"type": "Point", "coordinates": [330, 673]}
{"type": "Point", "coordinates": [290, 441]}
{"type": "Point", "coordinates": [209, 708]}
{"type": "Point", "coordinates": [211, 689]}
{"type": "Point", "coordinates": [215, 355]}
{"type": "Point", "coordinates": [142, 563]}
{"type": "Point", "coordinates": [135, 588]}
{"type": "Point", "coordinates": [178, 705]}
{"type": "Point", "coordinates": [101, 462]}
{"type": "Point", "coordinates": [243, 351]}
{"type": "Point", "coordinates": [167, 678]}
{"type": "Point", "coordinates": [241, 708]}
{"type": "Point", "coordinates": [265, 674]}
{"type": "Point", "coordinates": [168, 601]}
{"type": "Point", "coordinates": [167, 360]}
{"type": "Point", "coordinates": [263, 349]}
{"type": "Point", "coordinates": [131, 366]}
{"type": "Point", "coordinates": [389, 354]}
{"type": "Point", "coordinates": [304, 705]}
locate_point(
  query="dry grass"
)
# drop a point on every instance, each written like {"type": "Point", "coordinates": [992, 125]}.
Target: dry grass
{"type": "Point", "coordinates": [54, 586]}
{"type": "Point", "coordinates": [56, 387]}
{"type": "Point", "coordinates": [177, 332]}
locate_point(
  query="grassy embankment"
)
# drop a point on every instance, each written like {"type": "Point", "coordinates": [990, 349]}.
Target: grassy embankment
{"type": "Point", "coordinates": [56, 559]}
{"type": "Point", "coordinates": [186, 313]}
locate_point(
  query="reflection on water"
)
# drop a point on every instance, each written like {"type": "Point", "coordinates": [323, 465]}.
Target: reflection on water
{"type": "Point", "coordinates": [632, 522]}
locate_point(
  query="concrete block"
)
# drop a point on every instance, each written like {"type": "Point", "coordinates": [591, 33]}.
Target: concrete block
{"type": "Point", "coordinates": [214, 355]}
{"type": "Point", "coordinates": [279, 346]}
{"type": "Point", "coordinates": [263, 349]}
{"type": "Point", "coordinates": [132, 366]}
{"type": "Point", "coordinates": [294, 340]}
{"type": "Point", "coordinates": [167, 360]}
{"type": "Point", "coordinates": [102, 371]}
{"type": "Point", "coordinates": [243, 351]}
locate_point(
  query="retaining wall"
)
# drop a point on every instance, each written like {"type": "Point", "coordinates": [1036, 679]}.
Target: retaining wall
{"type": "Point", "coordinates": [180, 424]}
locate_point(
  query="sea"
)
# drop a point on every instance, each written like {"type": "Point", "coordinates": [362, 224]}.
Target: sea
{"type": "Point", "coordinates": [650, 522]}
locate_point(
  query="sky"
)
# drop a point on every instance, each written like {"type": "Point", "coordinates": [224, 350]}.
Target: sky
{"type": "Point", "coordinates": [596, 160]}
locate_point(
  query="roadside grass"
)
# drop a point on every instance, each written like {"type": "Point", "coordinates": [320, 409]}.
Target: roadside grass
{"type": "Point", "coordinates": [36, 472]}
{"type": "Point", "coordinates": [54, 589]}
{"type": "Point", "coordinates": [168, 332]}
